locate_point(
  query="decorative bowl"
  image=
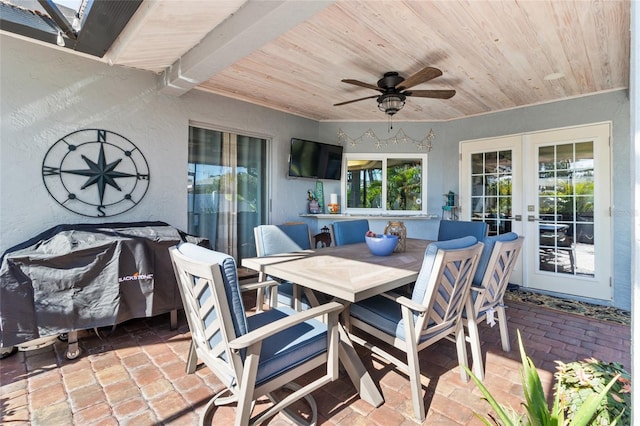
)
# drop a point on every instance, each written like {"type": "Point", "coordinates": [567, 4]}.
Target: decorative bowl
{"type": "Point", "coordinates": [382, 245]}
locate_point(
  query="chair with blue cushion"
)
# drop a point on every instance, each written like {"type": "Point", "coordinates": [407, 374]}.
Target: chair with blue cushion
{"type": "Point", "coordinates": [452, 229]}
{"type": "Point", "coordinates": [350, 231]}
{"type": "Point", "coordinates": [496, 264]}
{"type": "Point", "coordinates": [277, 239]}
{"type": "Point", "coordinates": [433, 313]}
{"type": "Point", "coordinates": [256, 355]}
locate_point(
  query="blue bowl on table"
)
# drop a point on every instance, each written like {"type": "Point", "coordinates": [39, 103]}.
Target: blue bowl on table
{"type": "Point", "coordinates": [382, 245]}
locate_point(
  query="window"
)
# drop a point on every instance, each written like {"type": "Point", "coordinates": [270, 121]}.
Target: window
{"type": "Point", "coordinates": [385, 183]}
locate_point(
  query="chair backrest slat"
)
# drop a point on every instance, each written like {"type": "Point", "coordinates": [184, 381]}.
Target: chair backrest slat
{"type": "Point", "coordinates": [449, 281]}
{"type": "Point", "coordinates": [210, 297]}
{"type": "Point", "coordinates": [281, 346]}
{"type": "Point", "coordinates": [497, 263]}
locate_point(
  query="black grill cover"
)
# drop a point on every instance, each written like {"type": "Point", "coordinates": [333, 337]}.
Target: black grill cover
{"type": "Point", "coordinates": [76, 277]}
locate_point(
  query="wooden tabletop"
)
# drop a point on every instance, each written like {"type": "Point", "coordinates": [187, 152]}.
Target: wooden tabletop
{"type": "Point", "coordinates": [349, 272]}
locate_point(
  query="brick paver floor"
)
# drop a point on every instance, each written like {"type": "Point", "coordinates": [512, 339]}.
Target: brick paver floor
{"type": "Point", "coordinates": [136, 376]}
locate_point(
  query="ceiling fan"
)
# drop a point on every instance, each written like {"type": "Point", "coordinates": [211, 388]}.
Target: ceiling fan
{"type": "Point", "coordinates": [394, 89]}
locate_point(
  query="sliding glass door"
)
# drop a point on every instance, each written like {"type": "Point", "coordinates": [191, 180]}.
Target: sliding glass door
{"type": "Point", "coordinates": [227, 189]}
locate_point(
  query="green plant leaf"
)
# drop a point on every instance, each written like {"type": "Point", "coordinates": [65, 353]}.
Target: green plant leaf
{"type": "Point", "coordinates": [536, 403]}
{"type": "Point", "coordinates": [583, 416]}
{"type": "Point", "coordinates": [557, 413]}
{"type": "Point", "coordinates": [483, 419]}
{"type": "Point", "coordinates": [498, 408]}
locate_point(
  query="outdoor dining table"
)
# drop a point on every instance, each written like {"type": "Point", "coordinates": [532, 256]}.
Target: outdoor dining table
{"type": "Point", "coordinates": [349, 273]}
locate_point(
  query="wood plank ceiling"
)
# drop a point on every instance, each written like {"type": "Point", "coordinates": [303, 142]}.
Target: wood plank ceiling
{"type": "Point", "coordinates": [497, 55]}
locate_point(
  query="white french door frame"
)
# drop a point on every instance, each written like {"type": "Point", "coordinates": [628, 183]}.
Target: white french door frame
{"type": "Point", "coordinates": [525, 206]}
{"type": "Point", "coordinates": [511, 143]}
{"type": "Point", "coordinates": [599, 286]}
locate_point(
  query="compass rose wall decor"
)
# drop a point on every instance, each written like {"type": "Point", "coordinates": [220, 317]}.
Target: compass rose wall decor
{"type": "Point", "coordinates": [95, 173]}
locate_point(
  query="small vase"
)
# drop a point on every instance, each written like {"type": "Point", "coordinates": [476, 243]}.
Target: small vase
{"type": "Point", "coordinates": [398, 228]}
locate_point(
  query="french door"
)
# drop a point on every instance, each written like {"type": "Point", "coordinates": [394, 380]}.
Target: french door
{"type": "Point", "coordinates": [227, 187]}
{"type": "Point", "coordinates": [555, 192]}
{"type": "Point", "coordinates": [491, 178]}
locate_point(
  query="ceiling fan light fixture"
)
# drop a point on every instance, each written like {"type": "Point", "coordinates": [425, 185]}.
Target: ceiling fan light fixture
{"type": "Point", "coordinates": [391, 103]}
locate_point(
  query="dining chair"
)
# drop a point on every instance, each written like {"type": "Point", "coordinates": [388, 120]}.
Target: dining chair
{"type": "Point", "coordinates": [350, 231]}
{"type": "Point", "coordinates": [276, 239]}
{"type": "Point", "coordinates": [323, 238]}
{"type": "Point", "coordinates": [433, 312]}
{"type": "Point", "coordinates": [452, 229]}
{"type": "Point", "coordinates": [499, 256]}
{"type": "Point", "coordinates": [257, 355]}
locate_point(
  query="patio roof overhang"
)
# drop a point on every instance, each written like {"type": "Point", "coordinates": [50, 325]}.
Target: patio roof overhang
{"type": "Point", "coordinates": [102, 23]}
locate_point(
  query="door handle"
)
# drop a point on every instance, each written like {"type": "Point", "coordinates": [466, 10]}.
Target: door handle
{"type": "Point", "coordinates": [532, 218]}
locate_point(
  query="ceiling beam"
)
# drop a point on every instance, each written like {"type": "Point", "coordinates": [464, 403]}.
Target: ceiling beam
{"type": "Point", "coordinates": [131, 31]}
{"type": "Point", "coordinates": [59, 18]}
{"type": "Point", "coordinates": [255, 24]}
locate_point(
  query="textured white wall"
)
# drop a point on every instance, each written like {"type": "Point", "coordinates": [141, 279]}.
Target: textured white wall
{"type": "Point", "coordinates": [444, 165]}
{"type": "Point", "coordinates": [46, 93]}
{"type": "Point", "coordinates": [288, 195]}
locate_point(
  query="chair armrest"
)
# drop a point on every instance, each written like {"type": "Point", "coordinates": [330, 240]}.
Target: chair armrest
{"type": "Point", "coordinates": [265, 331]}
{"type": "Point", "coordinates": [478, 289]}
{"type": "Point", "coordinates": [405, 301]}
{"type": "Point", "coordinates": [261, 284]}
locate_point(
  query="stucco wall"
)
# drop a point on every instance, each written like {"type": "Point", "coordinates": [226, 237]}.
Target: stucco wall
{"type": "Point", "coordinates": [443, 172]}
{"type": "Point", "coordinates": [46, 93]}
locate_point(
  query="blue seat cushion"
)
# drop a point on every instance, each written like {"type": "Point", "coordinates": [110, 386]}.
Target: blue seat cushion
{"type": "Point", "coordinates": [285, 295]}
{"type": "Point", "coordinates": [276, 239]}
{"type": "Point", "coordinates": [381, 313]}
{"type": "Point", "coordinates": [288, 348]}
{"type": "Point", "coordinates": [385, 314]}
{"type": "Point", "coordinates": [452, 229]}
{"type": "Point", "coordinates": [487, 251]}
{"type": "Point", "coordinates": [350, 231]}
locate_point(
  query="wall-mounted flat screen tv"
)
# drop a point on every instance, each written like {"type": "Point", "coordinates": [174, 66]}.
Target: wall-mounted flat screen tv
{"type": "Point", "coordinates": [308, 159]}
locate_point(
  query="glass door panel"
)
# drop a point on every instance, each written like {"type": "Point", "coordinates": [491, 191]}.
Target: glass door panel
{"type": "Point", "coordinates": [491, 195]}
{"type": "Point", "coordinates": [568, 204]}
{"type": "Point", "coordinates": [565, 185]}
{"type": "Point", "coordinates": [226, 189]}
{"type": "Point", "coordinates": [489, 171]}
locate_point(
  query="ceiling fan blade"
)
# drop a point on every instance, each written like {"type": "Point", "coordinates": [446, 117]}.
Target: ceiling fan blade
{"type": "Point", "coordinates": [361, 84]}
{"type": "Point", "coordinates": [438, 94]}
{"type": "Point", "coordinates": [421, 76]}
{"type": "Point", "coordinates": [355, 100]}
